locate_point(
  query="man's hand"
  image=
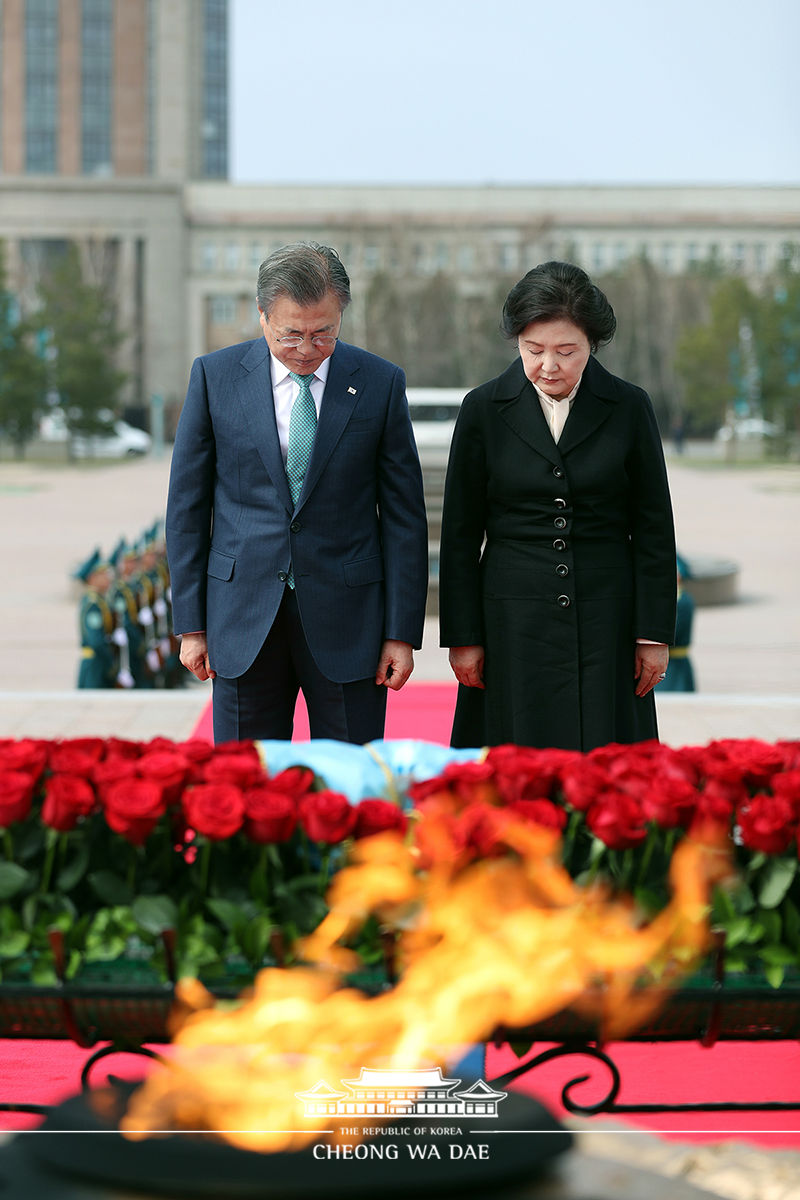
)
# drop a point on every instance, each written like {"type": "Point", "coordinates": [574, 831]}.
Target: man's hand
{"type": "Point", "coordinates": [194, 655]}
{"type": "Point", "coordinates": [467, 664]}
{"type": "Point", "coordinates": [650, 666]}
{"type": "Point", "coordinates": [395, 665]}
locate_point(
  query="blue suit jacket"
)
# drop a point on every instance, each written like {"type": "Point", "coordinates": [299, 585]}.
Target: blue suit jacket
{"type": "Point", "coordinates": [357, 538]}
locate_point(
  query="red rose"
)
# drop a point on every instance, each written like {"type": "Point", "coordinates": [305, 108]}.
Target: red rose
{"type": "Point", "coordinates": [242, 770]}
{"type": "Point", "coordinates": [67, 758]}
{"type": "Point", "coordinates": [466, 782]}
{"type": "Point", "coordinates": [377, 816]}
{"type": "Point", "coordinates": [766, 823]}
{"type": "Point", "coordinates": [754, 761]}
{"type": "Point", "coordinates": [67, 799]}
{"type": "Point", "coordinates": [269, 816]}
{"type": "Point", "coordinates": [215, 810]}
{"type": "Point", "coordinates": [540, 812]}
{"type": "Point", "coordinates": [167, 767]}
{"type": "Point", "coordinates": [27, 755]}
{"type": "Point", "coordinates": [618, 820]}
{"type": "Point", "coordinates": [133, 808]}
{"type": "Point", "coordinates": [327, 816]}
{"type": "Point", "coordinates": [715, 805]}
{"type": "Point", "coordinates": [790, 752]}
{"type": "Point", "coordinates": [196, 750]}
{"type": "Point", "coordinates": [16, 796]}
{"type": "Point", "coordinates": [526, 774]}
{"type": "Point", "coordinates": [788, 786]}
{"type": "Point", "coordinates": [670, 803]}
{"type": "Point", "coordinates": [482, 828]}
{"type": "Point", "coordinates": [583, 782]}
{"type": "Point", "coordinates": [105, 773]}
{"type": "Point", "coordinates": [122, 748]}
{"type": "Point", "coordinates": [294, 781]}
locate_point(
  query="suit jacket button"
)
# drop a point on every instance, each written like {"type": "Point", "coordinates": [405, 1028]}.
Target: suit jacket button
{"type": "Point", "coordinates": [559, 503]}
{"type": "Point", "coordinates": [562, 569]}
{"type": "Point", "coordinates": [559, 474]}
{"type": "Point", "coordinates": [559, 544]}
{"type": "Point", "coordinates": [295, 526]}
{"type": "Point", "coordinates": [283, 576]}
{"type": "Point", "coordinates": [564, 601]}
{"type": "Point", "coordinates": [560, 522]}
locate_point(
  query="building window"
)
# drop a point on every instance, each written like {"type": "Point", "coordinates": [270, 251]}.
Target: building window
{"type": "Point", "coordinates": [508, 256]}
{"type": "Point", "coordinates": [232, 256]}
{"type": "Point", "coordinates": [208, 256]}
{"type": "Point", "coordinates": [41, 86]}
{"type": "Point", "coordinates": [620, 254]}
{"type": "Point", "coordinates": [598, 256]}
{"type": "Point", "coordinates": [214, 127]}
{"type": "Point", "coordinates": [441, 256]}
{"type": "Point", "coordinates": [96, 86]}
{"type": "Point", "coordinates": [222, 310]}
{"type": "Point", "coordinates": [466, 259]}
{"type": "Point", "coordinates": [256, 255]}
{"type": "Point", "coordinates": [667, 255]}
{"type": "Point", "coordinates": [372, 258]}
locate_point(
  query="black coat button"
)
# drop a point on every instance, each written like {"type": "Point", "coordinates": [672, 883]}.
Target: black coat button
{"type": "Point", "coordinates": [564, 601]}
{"type": "Point", "coordinates": [283, 576]}
{"type": "Point", "coordinates": [559, 544]}
{"type": "Point", "coordinates": [559, 474]}
{"type": "Point", "coordinates": [562, 569]}
{"type": "Point", "coordinates": [560, 503]}
{"type": "Point", "coordinates": [560, 522]}
{"type": "Point", "coordinates": [295, 526]}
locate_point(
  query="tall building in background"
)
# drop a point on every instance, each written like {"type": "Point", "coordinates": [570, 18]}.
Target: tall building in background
{"type": "Point", "coordinates": [114, 88]}
{"type": "Point", "coordinates": [108, 110]}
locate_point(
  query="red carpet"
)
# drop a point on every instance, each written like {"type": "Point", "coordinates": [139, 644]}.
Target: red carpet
{"type": "Point", "coordinates": [420, 710]}
{"type": "Point", "coordinates": [45, 1072]}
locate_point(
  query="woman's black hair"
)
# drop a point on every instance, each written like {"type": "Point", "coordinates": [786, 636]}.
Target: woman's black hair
{"type": "Point", "coordinates": [556, 290]}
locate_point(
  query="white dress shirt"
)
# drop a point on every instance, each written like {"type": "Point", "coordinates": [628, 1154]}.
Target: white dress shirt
{"type": "Point", "coordinates": [285, 391]}
{"type": "Point", "coordinates": [557, 411]}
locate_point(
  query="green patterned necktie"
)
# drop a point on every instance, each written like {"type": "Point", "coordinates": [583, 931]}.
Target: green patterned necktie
{"type": "Point", "coordinates": [302, 428]}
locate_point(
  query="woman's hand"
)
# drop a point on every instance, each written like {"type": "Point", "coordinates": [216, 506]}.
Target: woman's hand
{"type": "Point", "coordinates": [467, 664]}
{"type": "Point", "coordinates": [651, 666]}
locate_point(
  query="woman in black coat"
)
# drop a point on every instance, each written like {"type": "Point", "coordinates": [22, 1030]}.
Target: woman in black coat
{"type": "Point", "coordinates": [557, 563]}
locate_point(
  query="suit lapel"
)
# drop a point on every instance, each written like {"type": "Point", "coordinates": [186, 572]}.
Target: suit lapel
{"type": "Point", "coordinates": [342, 391]}
{"type": "Point", "coordinates": [522, 412]}
{"type": "Point", "coordinates": [590, 408]}
{"type": "Point", "coordinates": [255, 397]}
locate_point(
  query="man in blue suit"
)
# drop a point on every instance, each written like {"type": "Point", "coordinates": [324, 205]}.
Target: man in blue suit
{"type": "Point", "coordinates": [296, 529]}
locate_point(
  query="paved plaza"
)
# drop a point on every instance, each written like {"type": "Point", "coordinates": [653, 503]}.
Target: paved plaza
{"type": "Point", "coordinates": [746, 654]}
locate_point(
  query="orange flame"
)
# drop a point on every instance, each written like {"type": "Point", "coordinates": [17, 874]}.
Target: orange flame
{"type": "Point", "coordinates": [505, 941]}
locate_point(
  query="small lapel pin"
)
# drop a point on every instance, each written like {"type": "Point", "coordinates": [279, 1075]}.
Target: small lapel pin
{"type": "Point", "coordinates": [352, 391]}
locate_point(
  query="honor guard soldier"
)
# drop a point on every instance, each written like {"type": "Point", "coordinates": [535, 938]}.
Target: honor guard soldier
{"type": "Point", "coordinates": [96, 622]}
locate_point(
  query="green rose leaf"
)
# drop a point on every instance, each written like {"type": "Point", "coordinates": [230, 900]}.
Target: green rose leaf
{"type": "Point", "coordinates": [227, 913]}
{"type": "Point", "coordinates": [791, 923]}
{"type": "Point", "coordinates": [110, 888]}
{"type": "Point", "coordinates": [14, 944]}
{"type": "Point", "coordinates": [155, 913]}
{"type": "Point", "coordinates": [74, 870]}
{"type": "Point", "coordinates": [13, 880]}
{"type": "Point", "coordinates": [775, 881]}
{"type": "Point", "coordinates": [778, 956]}
{"type": "Point", "coordinates": [774, 975]}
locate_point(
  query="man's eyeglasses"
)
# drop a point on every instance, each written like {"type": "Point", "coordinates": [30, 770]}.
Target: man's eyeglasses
{"type": "Point", "coordinates": [320, 341]}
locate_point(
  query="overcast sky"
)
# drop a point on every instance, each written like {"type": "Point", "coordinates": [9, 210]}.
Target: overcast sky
{"type": "Point", "coordinates": [520, 91]}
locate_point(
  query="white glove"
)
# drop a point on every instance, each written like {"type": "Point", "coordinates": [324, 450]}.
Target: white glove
{"type": "Point", "coordinates": [119, 637]}
{"type": "Point", "coordinates": [153, 661]}
{"type": "Point", "coordinates": [146, 616]}
{"type": "Point", "coordinates": [125, 679]}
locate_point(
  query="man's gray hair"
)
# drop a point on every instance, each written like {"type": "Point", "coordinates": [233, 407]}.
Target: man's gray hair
{"type": "Point", "coordinates": [305, 272]}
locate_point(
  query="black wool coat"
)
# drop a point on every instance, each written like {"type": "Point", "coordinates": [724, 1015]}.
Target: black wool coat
{"type": "Point", "coordinates": [556, 558]}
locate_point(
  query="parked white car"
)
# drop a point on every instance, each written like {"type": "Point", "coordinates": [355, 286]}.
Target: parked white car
{"type": "Point", "coordinates": [749, 429]}
{"type": "Point", "coordinates": [433, 415]}
{"type": "Point", "coordinates": [124, 440]}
